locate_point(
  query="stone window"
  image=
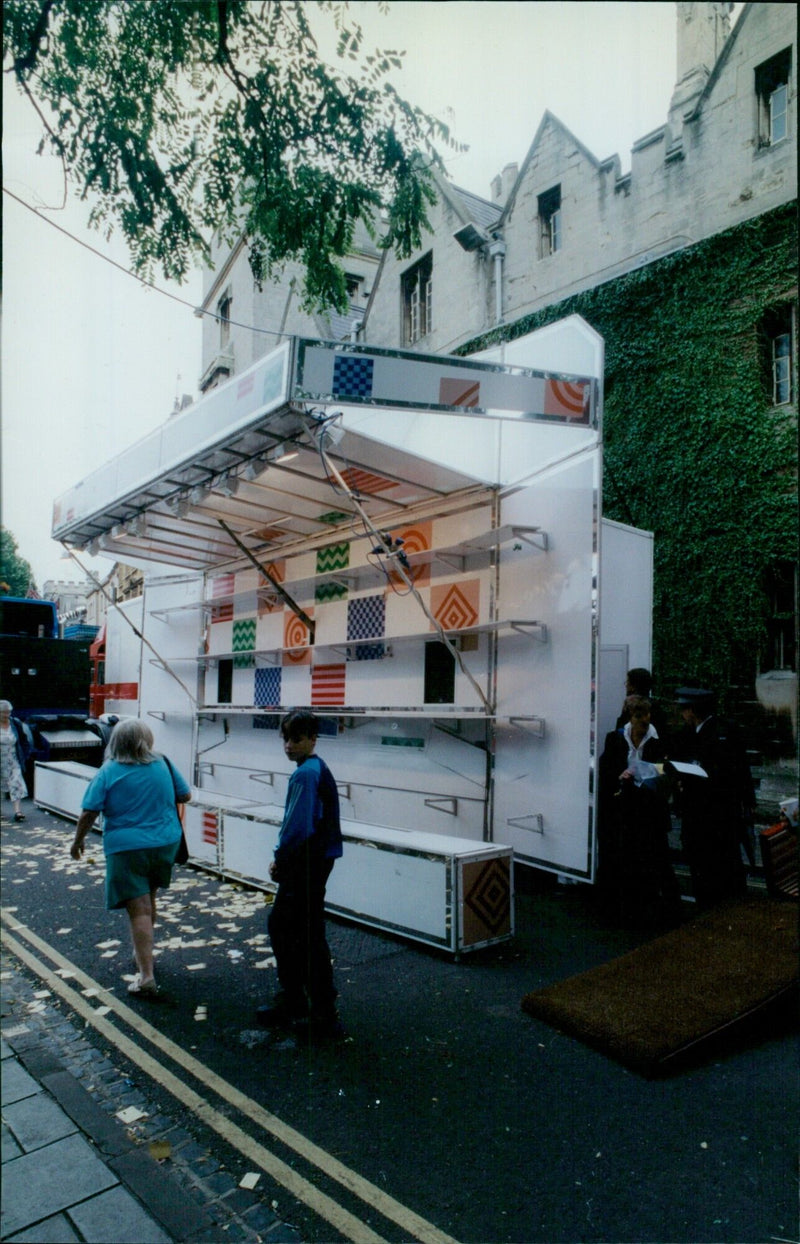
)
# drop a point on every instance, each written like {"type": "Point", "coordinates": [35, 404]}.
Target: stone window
{"type": "Point", "coordinates": [772, 98]}
{"type": "Point", "coordinates": [550, 222]}
{"type": "Point", "coordinates": [416, 286]}
{"type": "Point", "coordinates": [355, 288]}
{"type": "Point", "coordinates": [224, 318]}
{"type": "Point", "coordinates": [778, 354]}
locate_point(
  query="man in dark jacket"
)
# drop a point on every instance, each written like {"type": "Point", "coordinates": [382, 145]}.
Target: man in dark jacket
{"type": "Point", "coordinates": [309, 843]}
{"type": "Point", "coordinates": [712, 806]}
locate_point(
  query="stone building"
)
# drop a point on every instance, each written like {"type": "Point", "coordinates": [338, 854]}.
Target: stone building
{"type": "Point", "coordinates": [566, 221]}
{"type": "Point", "coordinates": [686, 265]}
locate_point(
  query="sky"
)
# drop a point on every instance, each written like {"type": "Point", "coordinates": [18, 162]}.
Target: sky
{"type": "Point", "coordinates": [92, 360]}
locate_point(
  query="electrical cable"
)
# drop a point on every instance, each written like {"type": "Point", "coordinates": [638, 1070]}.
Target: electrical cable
{"type": "Point", "coordinates": [267, 332]}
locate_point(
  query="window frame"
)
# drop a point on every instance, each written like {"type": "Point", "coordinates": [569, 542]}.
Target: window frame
{"type": "Point", "coordinates": [416, 286]}
{"type": "Point", "coordinates": [224, 318]}
{"type": "Point", "coordinates": [772, 79]}
{"type": "Point", "coordinates": [549, 215]}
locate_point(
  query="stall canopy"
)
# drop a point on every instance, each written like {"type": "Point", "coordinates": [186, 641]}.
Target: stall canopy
{"type": "Point", "coordinates": [400, 429]}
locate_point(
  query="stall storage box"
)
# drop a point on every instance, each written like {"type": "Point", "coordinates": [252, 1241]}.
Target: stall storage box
{"type": "Point", "coordinates": [447, 892]}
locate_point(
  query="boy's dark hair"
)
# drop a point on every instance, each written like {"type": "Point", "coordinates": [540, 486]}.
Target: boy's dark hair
{"type": "Point", "coordinates": [641, 680]}
{"type": "Point", "coordinates": [300, 723]}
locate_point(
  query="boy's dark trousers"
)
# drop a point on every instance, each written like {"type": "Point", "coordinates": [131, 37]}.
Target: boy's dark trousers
{"type": "Point", "coordinates": [297, 933]}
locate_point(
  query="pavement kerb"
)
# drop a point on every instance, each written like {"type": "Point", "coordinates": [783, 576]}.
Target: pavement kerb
{"type": "Point", "coordinates": [179, 1204]}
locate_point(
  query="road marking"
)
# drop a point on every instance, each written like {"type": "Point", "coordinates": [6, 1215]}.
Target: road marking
{"type": "Point", "coordinates": [410, 1222]}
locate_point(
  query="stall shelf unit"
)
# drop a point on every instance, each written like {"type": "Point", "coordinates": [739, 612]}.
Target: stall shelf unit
{"type": "Point", "coordinates": [476, 553]}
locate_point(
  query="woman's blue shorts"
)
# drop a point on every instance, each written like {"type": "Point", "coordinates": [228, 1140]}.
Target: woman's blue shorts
{"type": "Point", "coordinates": [129, 874]}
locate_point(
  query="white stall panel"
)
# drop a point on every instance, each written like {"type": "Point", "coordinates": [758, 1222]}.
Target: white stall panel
{"type": "Point", "coordinates": [175, 630]}
{"type": "Point", "coordinates": [59, 787]}
{"type": "Point", "coordinates": [544, 745]}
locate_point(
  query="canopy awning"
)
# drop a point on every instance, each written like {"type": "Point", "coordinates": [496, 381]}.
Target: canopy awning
{"type": "Point", "coordinates": [409, 429]}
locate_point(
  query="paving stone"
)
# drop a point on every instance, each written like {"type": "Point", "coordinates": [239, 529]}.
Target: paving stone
{"type": "Point", "coordinates": [118, 1216]}
{"type": "Point", "coordinates": [38, 1121]}
{"type": "Point", "coordinates": [5, 1049]}
{"type": "Point", "coordinates": [107, 1133]}
{"type": "Point", "coordinates": [10, 1147]}
{"type": "Point", "coordinates": [62, 1173]}
{"type": "Point", "coordinates": [165, 1198]}
{"type": "Point", "coordinates": [55, 1230]}
{"type": "Point", "coordinates": [17, 1084]}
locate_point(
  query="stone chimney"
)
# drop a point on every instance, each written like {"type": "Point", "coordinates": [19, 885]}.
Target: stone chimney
{"type": "Point", "coordinates": [702, 31]}
{"type": "Point", "coordinates": [503, 182]}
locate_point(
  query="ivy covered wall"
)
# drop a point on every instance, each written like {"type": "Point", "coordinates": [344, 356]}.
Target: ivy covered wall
{"type": "Point", "coordinates": [694, 450]}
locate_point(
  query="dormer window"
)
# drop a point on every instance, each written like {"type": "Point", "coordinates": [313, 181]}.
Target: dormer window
{"type": "Point", "coordinates": [416, 285]}
{"type": "Point", "coordinates": [550, 222]}
{"type": "Point", "coordinates": [772, 98]}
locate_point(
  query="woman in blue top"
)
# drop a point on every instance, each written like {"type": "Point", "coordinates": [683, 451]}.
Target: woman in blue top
{"type": "Point", "coordinates": [136, 793]}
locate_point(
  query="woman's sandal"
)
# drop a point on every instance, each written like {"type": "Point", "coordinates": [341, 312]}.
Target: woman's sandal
{"type": "Point", "coordinates": [147, 990]}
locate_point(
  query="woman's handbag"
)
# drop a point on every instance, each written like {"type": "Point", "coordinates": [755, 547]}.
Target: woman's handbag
{"type": "Point", "coordinates": [183, 848]}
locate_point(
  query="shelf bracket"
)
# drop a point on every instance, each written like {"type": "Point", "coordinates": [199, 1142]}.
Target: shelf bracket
{"type": "Point", "coordinates": [448, 805]}
{"type": "Point", "coordinates": [157, 713]}
{"type": "Point", "coordinates": [262, 778]}
{"type": "Point", "coordinates": [534, 724]}
{"type": "Point", "coordinates": [537, 630]}
{"type": "Point", "coordinates": [531, 535]}
{"type": "Point", "coordinates": [521, 822]}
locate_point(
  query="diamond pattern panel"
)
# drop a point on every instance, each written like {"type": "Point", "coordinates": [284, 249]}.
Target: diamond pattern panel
{"type": "Point", "coordinates": [487, 900]}
{"type": "Point", "coordinates": [456, 605]}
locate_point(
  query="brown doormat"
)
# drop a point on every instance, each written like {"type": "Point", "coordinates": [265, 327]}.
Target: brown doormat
{"type": "Point", "coordinates": [650, 1007]}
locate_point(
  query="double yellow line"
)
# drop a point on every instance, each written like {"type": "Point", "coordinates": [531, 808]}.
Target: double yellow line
{"type": "Point", "coordinates": [346, 1224]}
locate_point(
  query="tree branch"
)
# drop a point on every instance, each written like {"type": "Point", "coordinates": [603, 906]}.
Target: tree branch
{"type": "Point", "coordinates": [24, 64]}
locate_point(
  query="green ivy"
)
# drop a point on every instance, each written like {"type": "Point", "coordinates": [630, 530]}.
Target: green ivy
{"type": "Point", "coordinates": [693, 449]}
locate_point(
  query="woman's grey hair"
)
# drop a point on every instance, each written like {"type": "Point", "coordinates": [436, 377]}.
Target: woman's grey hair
{"type": "Point", "coordinates": [5, 706]}
{"type": "Point", "coordinates": [131, 743]}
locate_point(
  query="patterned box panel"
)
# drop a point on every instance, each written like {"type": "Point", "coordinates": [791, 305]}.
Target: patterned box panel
{"type": "Point", "coordinates": [457, 605]}
{"type": "Point", "coordinates": [366, 618]}
{"type": "Point", "coordinates": [267, 687]}
{"type": "Point", "coordinates": [416, 539]}
{"type": "Point", "coordinates": [295, 637]}
{"type": "Point", "coordinates": [367, 482]}
{"type": "Point", "coordinates": [332, 557]}
{"type": "Point", "coordinates": [270, 603]}
{"type": "Point", "coordinates": [486, 899]}
{"type": "Point", "coordinates": [244, 641]}
{"type": "Point", "coordinates": [328, 685]}
{"type": "Point", "coordinates": [352, 377]}
{"type": "Point", "coordinates": [222, 585]}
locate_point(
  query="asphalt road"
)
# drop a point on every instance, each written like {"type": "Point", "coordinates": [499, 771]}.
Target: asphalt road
{"type": "Point", "coordinates": [484, 1123]}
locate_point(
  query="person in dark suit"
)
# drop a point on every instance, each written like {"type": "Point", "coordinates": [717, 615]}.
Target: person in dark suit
{"type": "Point", "coordinates": [636, 884]}
{"type": "Point", "coordinates": [713, 808]}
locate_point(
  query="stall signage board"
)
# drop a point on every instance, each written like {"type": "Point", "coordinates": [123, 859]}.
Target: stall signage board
{"type": "Point", "coordinates": [328, 372]}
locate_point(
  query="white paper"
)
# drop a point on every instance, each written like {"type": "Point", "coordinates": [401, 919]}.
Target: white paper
{"type": "Point", "coordinates": [689, 770]}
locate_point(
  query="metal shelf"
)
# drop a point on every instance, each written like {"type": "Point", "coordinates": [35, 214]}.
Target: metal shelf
{"type": "Point", "coordinates": [536, 630]}
{"type": "Point", "coordinates": [454, 557]}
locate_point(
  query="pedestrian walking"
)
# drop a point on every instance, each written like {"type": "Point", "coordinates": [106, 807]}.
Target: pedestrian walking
{"type": "Point", "coordinates": [137, 792]}
{"type": "Point", "coordinates": [309, 843]}
{"type": "Point", "coordinates": [12, 760]}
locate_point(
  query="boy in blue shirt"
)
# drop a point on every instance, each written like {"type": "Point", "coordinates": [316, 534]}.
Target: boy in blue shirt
{"type": "Point", "coordinates": [309, 842]}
